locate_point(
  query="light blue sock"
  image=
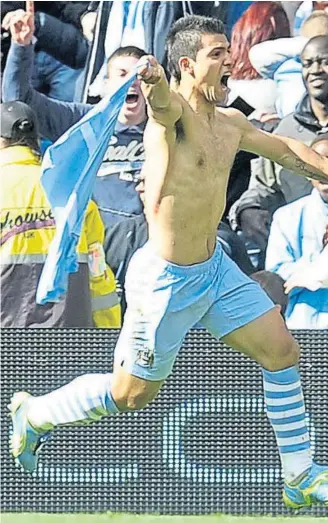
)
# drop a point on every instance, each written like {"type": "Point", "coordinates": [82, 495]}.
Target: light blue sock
{"type": "Point", "coordinates": [286, 412]}
{"type": "Point", "coordinates": [85, 399]}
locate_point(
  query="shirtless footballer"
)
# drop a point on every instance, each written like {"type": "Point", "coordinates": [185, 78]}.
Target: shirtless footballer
{"type": "Point", "coordinates": [182, 276]}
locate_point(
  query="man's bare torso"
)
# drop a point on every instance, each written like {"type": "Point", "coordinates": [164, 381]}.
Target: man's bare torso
{"type": "Point", "coordinates": [188, 167]}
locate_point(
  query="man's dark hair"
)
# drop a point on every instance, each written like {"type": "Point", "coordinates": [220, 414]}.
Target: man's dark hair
{"type": "Point", "coordinates": [185, 39]}
{"type": "Point", "coordinates": [23, 133]}
{"type": "Point", "coordinates": [129, 50]}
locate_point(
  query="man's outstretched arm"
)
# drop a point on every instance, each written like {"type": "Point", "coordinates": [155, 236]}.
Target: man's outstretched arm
{"type": "Point", "coordinates": [289, 153]}
{"type": "Point", "coordinates": [163, 105]}
{"type": "Point", "coordinates": [164, 110]}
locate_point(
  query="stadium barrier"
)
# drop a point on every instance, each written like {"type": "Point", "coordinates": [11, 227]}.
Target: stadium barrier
{"type": "Point", "coordinates": [204, 446]}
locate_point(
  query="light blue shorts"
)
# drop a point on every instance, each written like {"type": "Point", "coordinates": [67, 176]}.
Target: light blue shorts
{"type": "Point", "coordinates": [165, 300]}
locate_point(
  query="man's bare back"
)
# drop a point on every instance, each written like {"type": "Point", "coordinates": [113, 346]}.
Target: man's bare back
{"type": "Point", "coordinates": [194, 182]}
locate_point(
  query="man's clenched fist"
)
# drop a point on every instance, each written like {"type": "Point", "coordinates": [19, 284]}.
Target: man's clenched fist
{"type": "Point", "coordinates": [149, 70]}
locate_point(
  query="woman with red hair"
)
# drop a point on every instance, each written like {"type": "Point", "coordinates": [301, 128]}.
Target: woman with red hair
{"type": "Point", "coordinates": [261, 21]}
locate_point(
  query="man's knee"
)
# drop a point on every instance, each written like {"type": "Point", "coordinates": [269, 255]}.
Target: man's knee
{"type": "Point", "coordinates": [131, 393]}
{"type": "Point", "coordinates": [284, 354]}
{"type": "Point", "coordinates": [133, 399]}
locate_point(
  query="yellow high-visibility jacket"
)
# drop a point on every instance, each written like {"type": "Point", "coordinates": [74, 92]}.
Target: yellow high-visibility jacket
{"type": "Point", "coordinates": [27, 229]}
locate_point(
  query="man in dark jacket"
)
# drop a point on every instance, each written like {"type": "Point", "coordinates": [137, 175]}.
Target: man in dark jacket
{"type": "Point", "coordinates": [272, 186]}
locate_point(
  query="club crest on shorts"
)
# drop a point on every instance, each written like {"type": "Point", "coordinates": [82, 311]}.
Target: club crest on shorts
{"type": "Point", "coordinates": [145, 358]}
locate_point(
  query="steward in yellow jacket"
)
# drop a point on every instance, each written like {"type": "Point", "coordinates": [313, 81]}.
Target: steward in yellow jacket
{"type": "Point", "coordinates": [27, 228]}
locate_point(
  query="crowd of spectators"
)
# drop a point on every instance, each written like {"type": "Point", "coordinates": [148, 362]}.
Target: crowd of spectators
{"type": "Point", "coordinates": [60, 58]}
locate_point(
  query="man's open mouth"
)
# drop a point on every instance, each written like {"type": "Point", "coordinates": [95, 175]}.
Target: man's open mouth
{"type": "Point", "coordinates": [224, 79]}
{"type": "Point", "coordinates": [132, 98]}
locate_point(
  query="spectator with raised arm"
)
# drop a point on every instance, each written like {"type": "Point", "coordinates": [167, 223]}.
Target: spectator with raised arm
{"type": "Point", "coordinates": [114, 190]}
{"type": "Point", "coordinates": [61, 48]}
{"type": "Point", "coordinates": [115, 186]}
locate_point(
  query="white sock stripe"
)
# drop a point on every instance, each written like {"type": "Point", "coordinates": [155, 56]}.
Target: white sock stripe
{"type": "Point", "coordinates": [97, 395]}
{"type": "Point", "coordinates": [275, 402]}
{"type": "Point", "coordinates": [275, 387]}
{"type": "Point", "coordinates": [75, 408]}
{"type": "Point", "coordinates": [86, 401]}
{"type": "Point", "coordinates": [60, 414]}
{"type": "Point", "coordinates": [103, 386]}
{"type": "Point", "coordinates": [82, 399]}
{"type": "Point", "coordinates": [289, 426]}
{"type": "Point", "coordinates": [98, 403]}
{"type": "Point", "coordinates": [287, 414]}
{"type": "Point", "coordinates": [54, 415]}
{"type": "Point", "coordinates": [295, 440]}
{"type": "Point", "coordinates": [65, 409]}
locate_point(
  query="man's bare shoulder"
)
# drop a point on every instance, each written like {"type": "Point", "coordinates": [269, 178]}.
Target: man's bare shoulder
{"type": "Point", "coordinates": [178, 100]}
{"type": "Point", "coordinates": [170, 114]}
{"type": "Point", "coordinates": [232, 116]}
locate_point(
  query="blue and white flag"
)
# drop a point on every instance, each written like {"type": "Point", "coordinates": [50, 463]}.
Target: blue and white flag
{"type": "Point", "coordinates": [69, 169]}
